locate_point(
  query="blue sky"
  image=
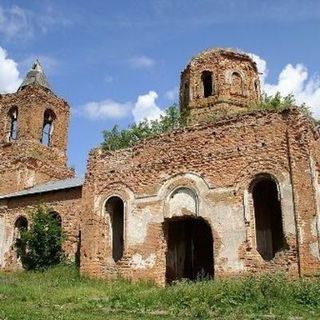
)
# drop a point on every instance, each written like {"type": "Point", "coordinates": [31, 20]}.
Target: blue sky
{"type": "Point", "coordinates": [116, 61]}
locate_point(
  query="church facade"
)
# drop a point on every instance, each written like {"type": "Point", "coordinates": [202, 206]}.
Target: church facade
{"type": "Point", "coordinates": [236, 191]}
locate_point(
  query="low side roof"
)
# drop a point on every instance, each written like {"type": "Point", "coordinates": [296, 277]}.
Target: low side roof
{"type": "Point", "coordinates": [47, 187]}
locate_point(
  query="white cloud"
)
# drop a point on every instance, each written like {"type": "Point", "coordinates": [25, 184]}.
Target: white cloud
{"type": "Point", "coordinates": [15, 20]}
{"type": "Point", "coordinates": [146, 107]}
{"type": "Point", "coordinates": [22, 23]}
{"type": "Point", "coordinates": [9, 73]}
{"type": "Point", "coordinates": [173, 94]}
{"type": "Point", "coordinates": [293, 79]}
{"type": "Point", "coordinates": [141, 62]}
{"type": "Point", "coordinates": [106, 109]}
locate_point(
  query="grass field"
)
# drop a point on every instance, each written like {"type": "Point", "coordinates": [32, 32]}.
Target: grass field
{"type": "Point", "coordinates": [61, 294]}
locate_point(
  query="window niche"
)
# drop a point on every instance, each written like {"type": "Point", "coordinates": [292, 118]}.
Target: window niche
{"type": "Point", "coordinates": [47, 127]}
{"type": "Point", "coordinates": [268, 218]}
{"type": "Point", "coordinates": [115, 208]}
{"type": "Point", "coordinates": [236, 83]}
{"type": "Point", "coordinates": [207, 83]}
{"type": "Point", "coordinates": [20, 225]}
{"type": "Point", "coordinates": [13, 124]}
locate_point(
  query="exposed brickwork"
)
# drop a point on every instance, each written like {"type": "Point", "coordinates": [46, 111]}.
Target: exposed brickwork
{"type": "Point", "coordinates": [234, 80]}
{"type": "Point", "coordinates": [25, 161]}
{"type": "Point", "coordinates": [226, 156]}
{"type": "Point", "coordinates": [206, 171]}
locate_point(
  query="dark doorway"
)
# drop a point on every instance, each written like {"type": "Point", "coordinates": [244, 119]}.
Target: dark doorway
{"type": "Point", "coordinates": [115, 208]}
{"type": "Point", "coordinates": [268, 218]}
{"type": "Point", "coordinates": [189, 249]}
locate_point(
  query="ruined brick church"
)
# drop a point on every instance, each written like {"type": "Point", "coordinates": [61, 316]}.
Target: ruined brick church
{"type": "Point", "coordinates": [216, 198]}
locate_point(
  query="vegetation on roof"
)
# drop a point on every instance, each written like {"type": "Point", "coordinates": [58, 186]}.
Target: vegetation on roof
{"type": "Point", "coordinates": [117, 138]}
{"type": "Point", "coordinates": [172, 119]}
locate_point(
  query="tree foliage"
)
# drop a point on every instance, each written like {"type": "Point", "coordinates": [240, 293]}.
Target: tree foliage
{"type": "Point", "coordinates": [39, 247]}
{"type": "Point", "coordinates": [116, 138]}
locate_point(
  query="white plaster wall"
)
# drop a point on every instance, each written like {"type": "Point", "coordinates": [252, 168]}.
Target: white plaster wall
{"type": "Point", "coordinates": [289, 225]}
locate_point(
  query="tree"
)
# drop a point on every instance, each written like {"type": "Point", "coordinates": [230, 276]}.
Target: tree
{"type": "Point", "coordinates": [172, 119]}
{"type": "Point", "coordinates": [39, 247]}
{"type": "Point", "coordinates": [115, 138]}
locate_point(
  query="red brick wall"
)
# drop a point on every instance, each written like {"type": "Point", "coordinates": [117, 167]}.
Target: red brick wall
{"type": "Point", "coordinates": [25, 161]}
{"type": "Point", "coordinates": [223, 158]}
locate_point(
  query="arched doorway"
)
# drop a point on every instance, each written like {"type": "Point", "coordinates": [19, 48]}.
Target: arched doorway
{"type": "Point", "coordinates": [268, 217]}
{"type": "Point", "coordinates": [115, 209]}
{"type": "Point", "coordinates": [189, 249]}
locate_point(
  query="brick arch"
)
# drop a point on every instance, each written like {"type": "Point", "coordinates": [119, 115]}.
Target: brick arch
{"type": "Point", "coordinates": [188, 180]}
{"type": "Point", "coordinates": [230, 72]}
{"type": "Point", "coordinates": [247, 173]}
{"type": "Point", "coordinates": [117, 189]}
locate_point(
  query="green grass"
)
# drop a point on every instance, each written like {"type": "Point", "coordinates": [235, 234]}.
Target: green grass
{"type": "Point", "coordinates": [61, 294]}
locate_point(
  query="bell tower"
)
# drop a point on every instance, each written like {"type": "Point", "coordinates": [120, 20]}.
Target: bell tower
{"type": "Point", "coordinates": [218, 82]}
{"type": "Point", "coordinates": [33, 134]}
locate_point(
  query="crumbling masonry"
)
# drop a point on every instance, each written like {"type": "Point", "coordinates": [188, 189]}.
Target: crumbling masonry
{"type": "Point", "coordinates": [217, 198]}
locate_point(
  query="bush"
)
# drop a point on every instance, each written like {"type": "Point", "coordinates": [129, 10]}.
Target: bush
{"type": "Point", "coordinates": [40, 246]}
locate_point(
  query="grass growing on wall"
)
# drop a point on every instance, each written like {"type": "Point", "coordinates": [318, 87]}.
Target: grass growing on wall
{"type": "Point", "coordinates": [60, 293]}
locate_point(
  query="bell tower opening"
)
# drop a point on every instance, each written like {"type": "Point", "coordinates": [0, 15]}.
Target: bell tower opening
{"type": "Point", "coordinates": [37, 153]}
{"type": "Point", "coordinates": [222, 82]}
{"type": "Point", "coordinates": [206, 78]}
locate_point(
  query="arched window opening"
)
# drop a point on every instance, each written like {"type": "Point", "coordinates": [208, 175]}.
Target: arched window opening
{"type": "Point", "coordinates": [115, 209]}
{"type": "Point", "coordinates": [268, 218]}
{"type": "Point", "coordinates": [189, 251]}
{"type": "Point", "coordinates": [20, 225]}
{"type": "Point", "coordinates": [207, 83]}
{"type": "Point", "coordinates": [47, 128]}
{"type": "Point", "coordinates": [236, 83]}
{"type": "Point", "coordinates": [13, 119]}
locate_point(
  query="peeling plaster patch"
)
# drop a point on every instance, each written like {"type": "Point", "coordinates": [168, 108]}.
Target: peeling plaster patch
{"type": "Point", "coordinates": [287, 206]}
{"type": "Point", "coordinates": [137, 262]}
{"type": "Point", "coordinates": [301, 235]}
{"type": "Point", "coordinates": [181, 201]}
{"type": "Point", "coordinates": [314, 226]}
{"type": "Point", "coordinates": [314, 249]}
{"type": "Point", "coordinates": [5, 240]}
{"type": "Point", "coordinates": [246, 206]}
{"type": "Point", "coordinates": [229, 224]}
{"type": "Point", "coordinates": [137, 226]}
{"type": "Point", "coordinates": [2, 240]}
